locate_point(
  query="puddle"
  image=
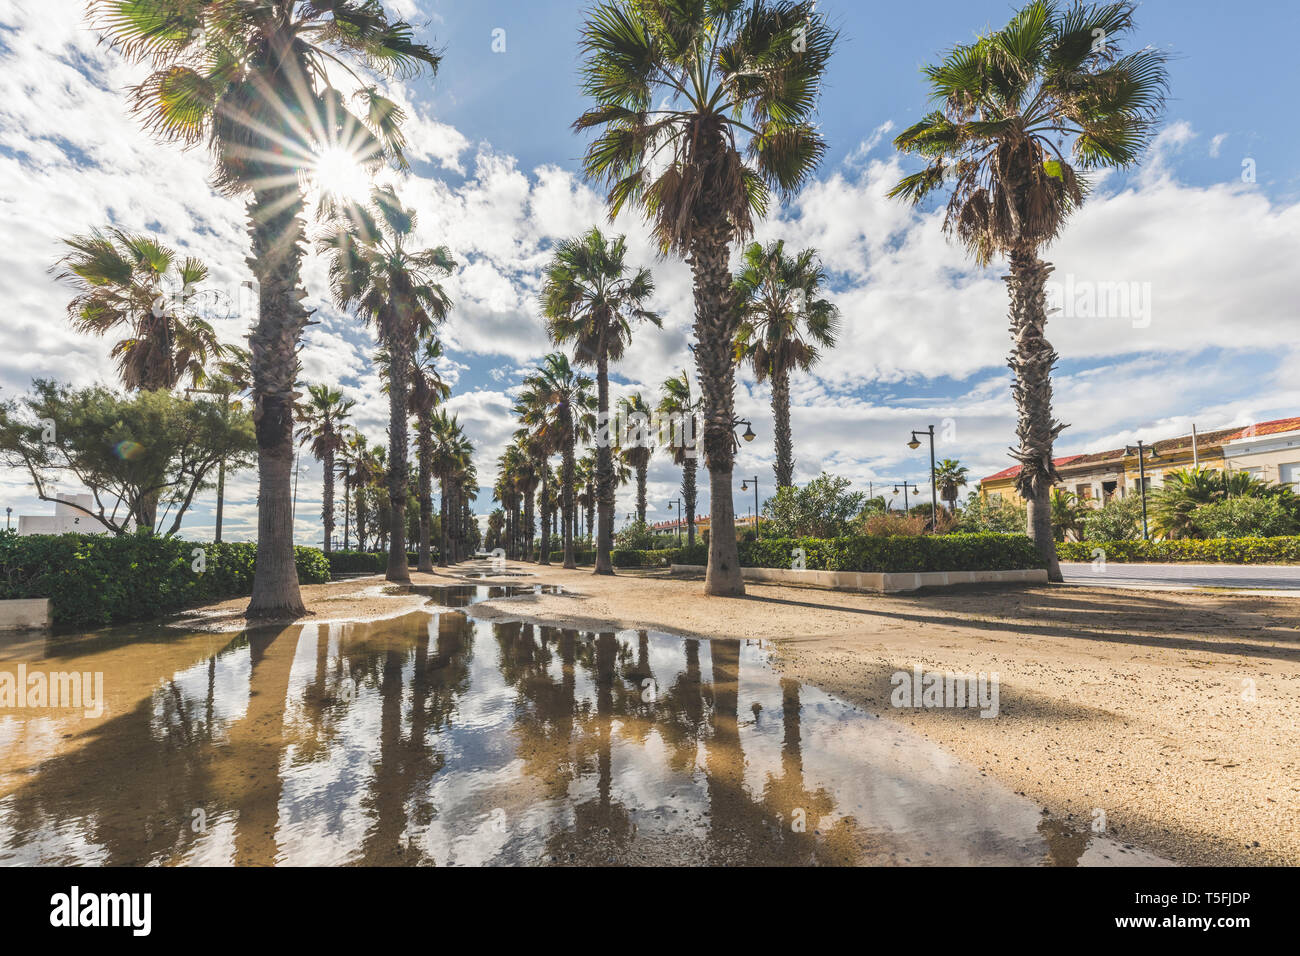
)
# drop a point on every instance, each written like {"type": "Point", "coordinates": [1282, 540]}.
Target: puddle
{"type": "Point", "coordinates": [434, 739]}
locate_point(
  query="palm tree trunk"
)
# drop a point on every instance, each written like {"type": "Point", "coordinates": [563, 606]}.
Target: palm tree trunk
{"type": "Point", "coordinates": [784, 464]}
{"type": "Point", "coordinates": [276, 260]}
{"type": "Point", "coordinates": [327, 507]}
{"type": "Point", "coordinates": [566, 490]}
{"type": "Point", "coordinates": [714, 333]}
{"type": "Point", "coordinates": [544, 555]}
{"type": "Point", "coordinates": [398, 368]}
{"type": "Point", "coordinates": [528, 525]}
{"type": "Point", "coordinates": [443, 518]}
{"type": "Point", "coordinates": [347, 504]}
{"type": "Point", "coordinates": [425, 455]}
{"type": "Point", "coordinates": [604, 469]}
{"type": "Point", "coordinates": [688, 494]}
{"type": "Point", "coordinates": [641, 473]}
{"type": "Point", "coordinates": [1032, 360]}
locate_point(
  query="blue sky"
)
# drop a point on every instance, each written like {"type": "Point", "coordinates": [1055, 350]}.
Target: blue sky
{"type": "Point", "coordinates": [497, 178]}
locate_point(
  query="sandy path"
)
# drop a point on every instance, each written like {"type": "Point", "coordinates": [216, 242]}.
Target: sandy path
{"type": "Point", "coordinates": [1175, 714]}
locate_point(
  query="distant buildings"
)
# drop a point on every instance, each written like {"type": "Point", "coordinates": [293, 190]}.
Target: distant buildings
{"type": "Point", "coordinates": [65, 520]}
{"type": "Point", "coordinates": [1267, 450]}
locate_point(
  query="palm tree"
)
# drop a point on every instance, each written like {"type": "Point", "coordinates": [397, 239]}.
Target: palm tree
{"type": "Point", "coordinates": [678, 405]}
{"type": "Point", "coordinates": [428, 391]}
{"type": "Point", "coordinates": [252, 80]}
{"type": "Point", "coordinates": [585, 478]}
{"type": "Point", "coordinates": [557, 402]}
{"type": "Point", "coordinates": [590, 300]}
{"type": "Point", "coordinates": [784, 327]}
{"type": "Point", "coordinates": [373, 269]}
{"type": "Point", "coordinates": [1068, 512]}
{"type": "Point", "coordinates": [950, 475]}
{"type": "Point", "coordinates": [635, 445]}
{"type": "Point", "coordinates": [134, 283]}
{"type": "Point", "coordinates": [451, 460]}
{"type": "Point", "coordinates": [703, 108]}
{"type": "Point", "coordinates": [1009, 102]}
{"type": "Point", "coordinates": [322, 419]}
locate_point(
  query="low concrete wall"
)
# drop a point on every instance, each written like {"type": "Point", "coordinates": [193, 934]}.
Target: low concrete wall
{"type": "Point", "coordinates": [876, 580]}
{"type": "Point", "coordinates": [24, 613]}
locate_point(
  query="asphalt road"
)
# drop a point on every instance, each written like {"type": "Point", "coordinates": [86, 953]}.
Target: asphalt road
{"type": "Point", "coordinates": [1247, 576]}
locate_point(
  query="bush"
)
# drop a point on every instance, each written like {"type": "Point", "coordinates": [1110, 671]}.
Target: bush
{"type": "Point", "coordinates": [581, 555]}
{"type": "Point", "coordinates": [1244, 518]}
{"type": "Point", "coordinates": [357, 562]}
{"type": "Point", "coordinates": [999, 517]}
{"type": "Point", "coordinates": [952, 552]}
{"type": "Point", "coordinates": [95, 579]}
{"type": "Point", "coordinates": [1280, 550]}
{"type": "Point", "coordinates": [1119, 519]}
{"type": "Point", "coordinates": [893, 524]}
{"type": "Point", "coordinates": [822, 508]}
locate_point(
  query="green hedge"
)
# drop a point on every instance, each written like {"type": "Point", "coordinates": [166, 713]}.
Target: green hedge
{"type": "Point", "coordinates": [1281, 550]}
{"type": "Point", "coordinates": [94, 579]}
{"type": "Point", "coordinates": [981, 551]}
{"type": "Point", "coordinates": [648, 558]}
{"type": "Point", "coordinates": [369, 562]}
{"type": "Point", "coordinates": [581, 555]}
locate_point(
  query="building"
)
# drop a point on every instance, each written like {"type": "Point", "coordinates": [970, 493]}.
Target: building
{"type": "Point", "coordinates": [1267, 450]}
{"type": "Point", "coordinates": [65, 520]}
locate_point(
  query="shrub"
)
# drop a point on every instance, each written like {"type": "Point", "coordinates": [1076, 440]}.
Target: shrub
{"type": "Point", "coordinates": [1244, 518]}
{"type": "Point", "coordinates": [822, 508]}
{"type": "Point", "coordinates": [999, 517]}
{"type": "Point", "coordinates": [952, 552]}
{"type": "Point", "coordinates": [643, 558]}
{"type": "Point", "coordinates": [94, 579]}
{"type": "Point", "coordinates": [1119, 519]}
{"type": "Point", "coordinates": [893, 524]}
{"type": "Point", "coordinates": [357, 562]}
{"type": "Point", "coordinates": [1282, 550]}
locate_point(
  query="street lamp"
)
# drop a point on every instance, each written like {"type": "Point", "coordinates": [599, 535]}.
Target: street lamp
{"type": "Point", "coordinates": [749, 428]}
{"type": "Point", "coordinates": [914, 444]}
{"type": "Point", "coordinates": [744, 486]}
{"type": "Point", "coordinates": [678, 520]}
{"type": "Point", "coordinates": [915, 490]}
{"type": "Point", "coordinates": [1142, 477]}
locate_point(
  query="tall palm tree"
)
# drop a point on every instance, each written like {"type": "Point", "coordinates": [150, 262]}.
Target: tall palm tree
{"type": "Point", "coordinates": [590, 299]}
{"type": "Point", "coordinates": [1008, 105]}
{"type": "Point", "coordinates": [428, 391]}
{"type": "Point", "coordinates": [323, 417]}
{"type": "Point", "coordinates": [678, 405]}
{"type": "Point", "coordinates": [585, 497]}
{"type": "Point", "coordinates": [253, 81]}
{"type": "Point", "coordinates": [557, 401]}
{"type": "Point", "coordinates": [374, 269]}
{"type": "Point", "coordinates": [133, 283]}
{"type": "Point", "coordinates": [451, 459]}
{"type": "Point", "coordinates": [635, 443]}
{"type": "Point", "coordinates": [950, 475]}
{"type": "Point", "coordinates": [703, 108]}
{"type": "Point", "coordinates": [785, 325]}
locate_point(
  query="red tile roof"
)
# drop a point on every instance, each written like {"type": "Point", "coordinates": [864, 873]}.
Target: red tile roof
{"type": "Point", "coordinates": [1171, 444]}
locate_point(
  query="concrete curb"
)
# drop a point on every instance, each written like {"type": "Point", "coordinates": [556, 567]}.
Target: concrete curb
{"type": "Point", "coordinates": [23, 614]}
{"type": "Point", "coordinates": [883, 582]}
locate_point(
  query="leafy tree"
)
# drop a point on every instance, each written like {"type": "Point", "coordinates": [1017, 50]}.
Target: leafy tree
{"type": "Point", "coordinates": [986, 515]}
{"type": "Point", "coordinates": [252, 80]}
{"type": "Point", "coordinates": [703, 108]}
{"type": "Point", "coordinates": [785, 327]}
{"type": "Point", "coordinates": [590, 299]}
{"type": "Point", "coordinates": [1259, 517]}
{"type": "Point", "coordinates": [136, 453]}
{"type": "Point", "coordinates": [1009, 103]}
{"type": "Point", "coordinates": [823, 508]}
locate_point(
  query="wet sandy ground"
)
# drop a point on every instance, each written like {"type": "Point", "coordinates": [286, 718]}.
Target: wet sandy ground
{"type": "Point", "coordinates": [1172, 715]}
{"type": "Point", "coordinates": [1175, 715]}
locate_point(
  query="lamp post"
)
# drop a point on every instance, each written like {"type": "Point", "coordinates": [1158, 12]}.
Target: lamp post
{"type": "Point", "coordinates": [1142, 477]}
{"type": "Point", "coordinates": [744, 486]}
{"type": "Point", "coordinates": [914, 444]}
{"type": "Point", "coordinates": [678, 520]}
{"type": "Point", "coordinates": [8, 512]}
{"type": "Point", "coordinates": [915, 490]}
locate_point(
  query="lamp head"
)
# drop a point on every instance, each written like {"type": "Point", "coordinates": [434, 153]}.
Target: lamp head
{"type": "Point", "coordinates": [915, 443]}
{"type": "Point", "coordinates": [749, 432]}
{"type": "Point", "coordinates": [744, 486]}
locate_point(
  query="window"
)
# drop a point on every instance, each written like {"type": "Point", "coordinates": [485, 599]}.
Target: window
{"type": "Point", "coordinates": [1289, 474]}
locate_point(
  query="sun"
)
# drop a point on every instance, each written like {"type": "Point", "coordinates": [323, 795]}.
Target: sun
{"type": "Point", "coordinates": [337, 173]}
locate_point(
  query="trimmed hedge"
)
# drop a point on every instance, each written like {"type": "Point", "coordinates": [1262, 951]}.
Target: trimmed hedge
{"type": "Point", "coordinates": [980, 551]}
{"type": "Point", "coordinates": [1280, 550]}
{"type": "Point", "coordinates": [369, 562]}
{"type": "Point", "coordinates": [95, 579]}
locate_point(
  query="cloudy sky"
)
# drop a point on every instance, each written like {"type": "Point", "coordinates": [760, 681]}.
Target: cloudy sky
{"type": "Point", "coordinates": [1203, 238]}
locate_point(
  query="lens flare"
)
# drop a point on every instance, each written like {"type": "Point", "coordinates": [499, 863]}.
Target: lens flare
{"type": "Point", "coordinates": [338, 174]}
{"type": "Point", "coordinates": [128, 450]}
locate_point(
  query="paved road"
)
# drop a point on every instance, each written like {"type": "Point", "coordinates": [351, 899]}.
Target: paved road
{"type": "Point", "coordinates": [1246, 576]}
